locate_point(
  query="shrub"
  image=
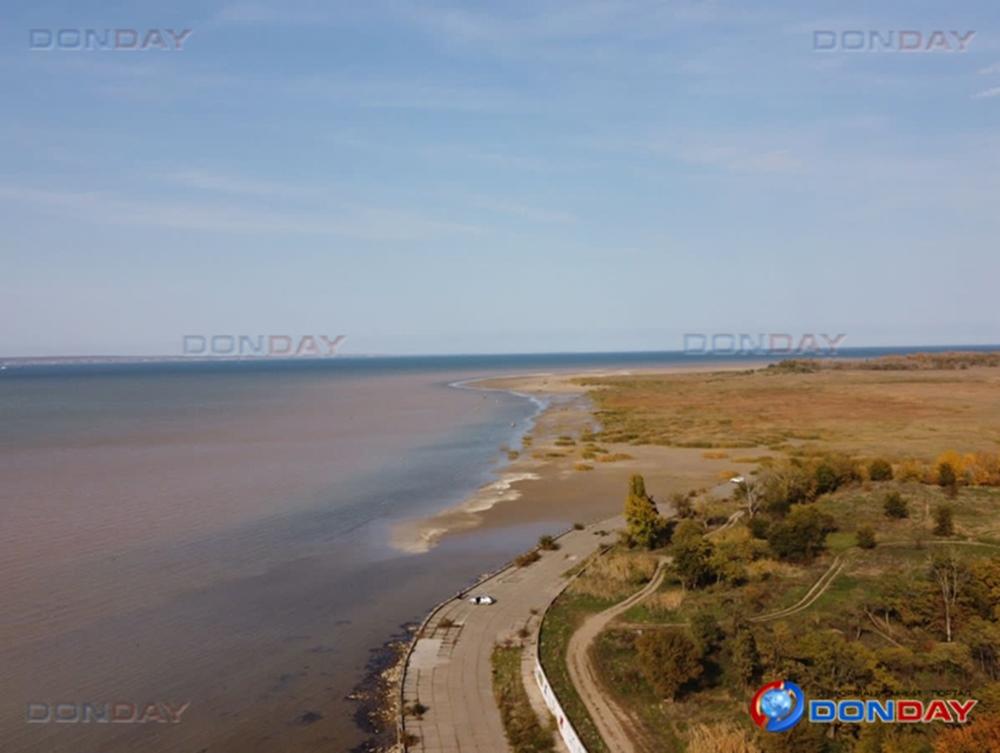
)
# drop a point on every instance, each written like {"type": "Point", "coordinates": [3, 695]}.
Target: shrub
{"type": "Point", "coordinates": [759, 527]}
{"type": "Point", "coordinates": [912, 470]}
{"type": "Point", "coordinates": [692, 554]}
{"type": "Point", "coordinates": [416, 709]}
{"type": "Point", "coordinates": [880, 470]}
{"type": "Point", "coordinates": [669, 660]}
{"type": "Point", "coordinates": [944, 524]}
{"type": "Point", "coordinates": [865, 537]}
{"type": "Point", "coordinates": [528, 558]}
{"type": "Point", "coordinates": [895, 506]}
{"type": "Point", "coordinates": [548, 543]}
{"type": "Point", "coordinates": [683, 507]}
{"type": "Point", "coordinates": [801, 535]}
{"type": "Point", "coordinates": [980, 736]}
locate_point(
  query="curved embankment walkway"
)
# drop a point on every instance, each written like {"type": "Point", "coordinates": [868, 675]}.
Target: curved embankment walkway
{"type": "Point", "coordinates": [611, 720]}
{"type": "Point", "coordinates": [448, 668]}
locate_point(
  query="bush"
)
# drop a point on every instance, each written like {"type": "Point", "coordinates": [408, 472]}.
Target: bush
{"type": "Point", "coordinates": [944, 524]}
{"type": "Point", "coordinates": [865, 537]}
{"type": "Point", "coordinates": [548, 543]}
{"type": "Point", "coordinates": [528, 558]}
{"type": "Point", "coordinates": [826, 479]}
{"type": "Point", "coordinates": [683, 507]}
{"type": "Point", "coordinates": [895, 506]}
{"type": "Point", "coordinates": [880, 470]}
{"type": "Point", "coordinates": [759, 527]}
{"type": "Point", "coordinates": [946, 476]}
{"type": "Point", "coordinates": [801, 535]}
{"type": "Point", "coordinates": [692, 554]}
{"type": "Point", "coordinates": [669, 660]}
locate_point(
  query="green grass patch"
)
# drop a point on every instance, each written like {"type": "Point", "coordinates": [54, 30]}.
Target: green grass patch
{"type": "Point", "coordinates": [524, 732]}
{"type": "Point", "coordinates": [561, 620]}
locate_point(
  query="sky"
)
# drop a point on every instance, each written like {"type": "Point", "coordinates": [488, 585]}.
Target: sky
{"type": "Point", "coordinates": [506, 176]}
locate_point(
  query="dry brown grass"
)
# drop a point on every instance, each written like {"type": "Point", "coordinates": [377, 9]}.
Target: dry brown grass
{"type": "Point", "coordinates": [895, 413]}
{"type": "Point", "coordinates": [664, 602]}
{"type": "Point", "coordinates": [615, 575]}
{"type": "Point", "coordinates": [720, 738]}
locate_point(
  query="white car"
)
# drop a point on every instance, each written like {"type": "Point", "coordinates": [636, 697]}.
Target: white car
{"type": "Point", "coordinates": [482, 600]}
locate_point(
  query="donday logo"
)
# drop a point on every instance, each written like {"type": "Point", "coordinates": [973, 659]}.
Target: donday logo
{"type": "Point", "coordinates": [778, 706]}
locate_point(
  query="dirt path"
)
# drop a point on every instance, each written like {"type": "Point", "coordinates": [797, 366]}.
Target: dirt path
{"type": "Point", "coordinates": [611, 721]}
{"type": "Point", "coordinates": [818, 589]}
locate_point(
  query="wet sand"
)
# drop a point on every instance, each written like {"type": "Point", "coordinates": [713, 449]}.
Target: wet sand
{"type": "Point", "coordinates": [537, 490]}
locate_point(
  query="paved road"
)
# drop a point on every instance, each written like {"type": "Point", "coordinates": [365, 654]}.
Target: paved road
{"type": "Point", "coordinates": [449, 669]}
{"type": "Point", "coordinates": [611, 720]}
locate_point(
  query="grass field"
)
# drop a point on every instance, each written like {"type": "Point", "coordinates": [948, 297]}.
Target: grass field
{"type": "Point", "coordinates": [878, 623]}
{"type": "Point", "coordinates": [916, 413]}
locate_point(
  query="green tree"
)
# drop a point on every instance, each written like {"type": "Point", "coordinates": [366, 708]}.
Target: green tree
{"type": "Point", "coordinates": [944, 524]}
{"type": "Point", "coordinates": [947, 478]}
{"type": "Point", "coordinates": [801, 535]}
{"type": "Point", "coordinates": [644, 525]}
{"type": "Point", "coordinates": [866, 537]}
{"type": "Point", "coordinates": [745, 656]}
{"type": "Point", "coordinates": [669, 660]}
{"type": "Point", "coordinates": [826, 479]}
{"type": "Point", "coordinates": [880, 470]}
{"type": "Point", "coordinates": [895, 506]}
{"type": "Point", "coordinates": [707, 632]}
{"type": "Point", "coordinates": [692, 554]}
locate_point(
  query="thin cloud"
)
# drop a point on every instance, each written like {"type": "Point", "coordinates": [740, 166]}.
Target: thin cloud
{"type": "Point", "coordinates": [360, 223]}
{"type": "Point", "coordinates": [987, 93]}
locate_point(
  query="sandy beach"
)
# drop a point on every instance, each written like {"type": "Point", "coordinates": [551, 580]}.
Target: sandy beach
{"type": "Point", "coordinates": [539, 486]}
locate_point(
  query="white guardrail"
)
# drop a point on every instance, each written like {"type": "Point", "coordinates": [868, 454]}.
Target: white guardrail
{"type": "Point", "coordinates": [566, 731]}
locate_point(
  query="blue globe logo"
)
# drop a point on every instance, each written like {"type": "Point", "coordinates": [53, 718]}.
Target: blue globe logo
{"type": "Point", "coordinates": [778, 706]}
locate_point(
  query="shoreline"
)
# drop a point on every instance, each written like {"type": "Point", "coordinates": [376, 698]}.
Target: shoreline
{"type": "Point", "coordinates": [536, 486]}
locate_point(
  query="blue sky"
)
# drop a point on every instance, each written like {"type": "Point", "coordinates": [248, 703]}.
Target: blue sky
{"type": "Point", "coordinates": [492, 177]}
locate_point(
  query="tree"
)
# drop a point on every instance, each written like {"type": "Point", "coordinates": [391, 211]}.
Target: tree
{"type": "Point", "coordinates": [801, 535]}
{"type": "Point", "coordinates": [745, 656]}
{"type": "Point", "coordinates": [948, 574]}
{"type": "Point", "coordinates": [980, 736]}
{"type": "Point", "coordinates": [947, 478]}
{"type": "Point", "coordinates": [880, 470]}
{"type": "Point", "coordinates": [707, 632]}
{"type": "Point", "coordinates": [728, 560]}
{"type": "Point", "coordinates": [895, 506]}
{"type": "Point", "coordinates": [681, 502]}
{"type": "Point", "coordinates": [983, 639]}
{"type": "Point", "coordinates": [944, 525]}
{"type": "Point", "coordinates": [692, 554]}
{"type": "Point", "coordinates": [759, 528]}
{"type": "Point", "coordinates": [866, 537]}
{"type": "Point", "coordinates": [785, 485]}
{"type": "Point", "coordinates": [826, 479]}
{"type": "Point", "coordinates": [644, 524]}
{"type": "Point", "coordinates": [669, 660]}
{"type": "Point", "coordinates": [748, 492]}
